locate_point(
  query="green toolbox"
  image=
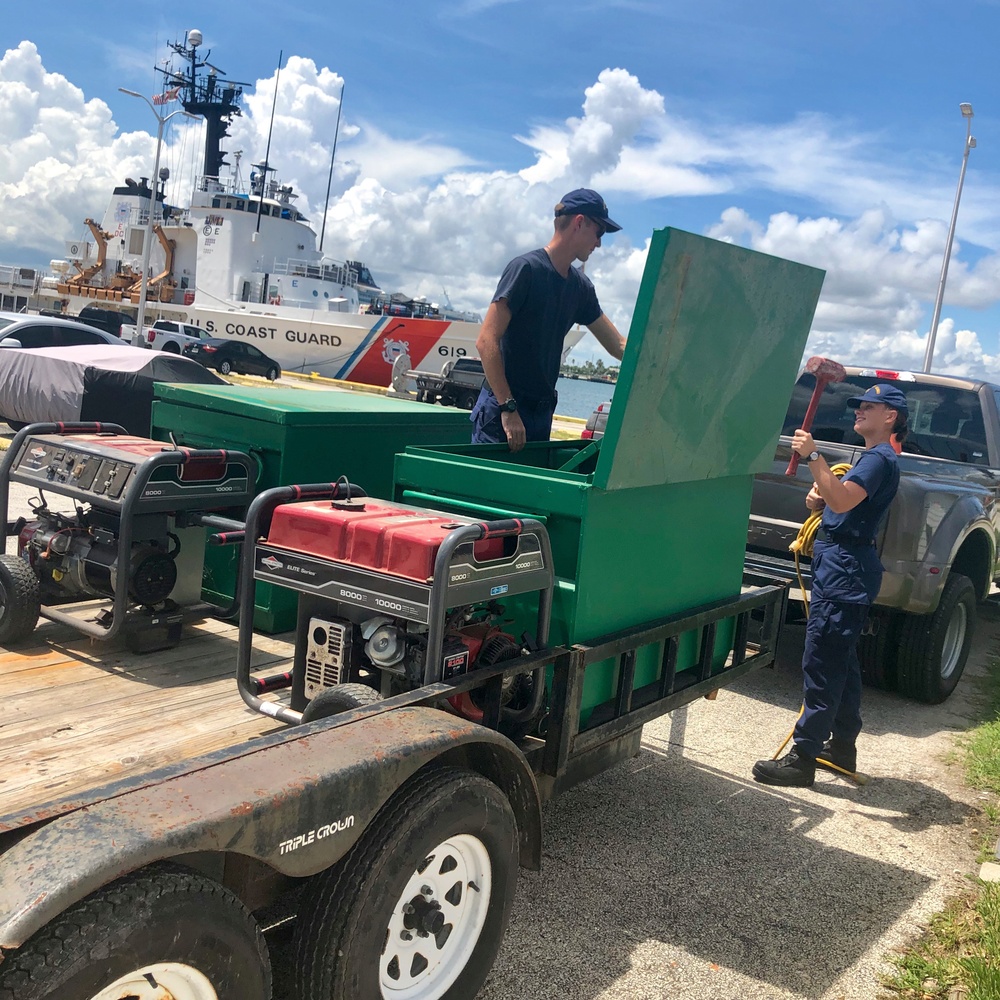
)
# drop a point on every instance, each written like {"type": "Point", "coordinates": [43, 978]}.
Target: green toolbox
{"type": "Point", "coordinates": [297, 436]}
{"type": "Point", "coordinates": [651, 520]}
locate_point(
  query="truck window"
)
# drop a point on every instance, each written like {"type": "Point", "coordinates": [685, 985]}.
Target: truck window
{"type": "Point", "coordinates": [945, 422]}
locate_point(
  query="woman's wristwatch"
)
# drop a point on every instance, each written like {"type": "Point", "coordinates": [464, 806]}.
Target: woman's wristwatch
{"type": "Point", "coordinates": [811, 457]}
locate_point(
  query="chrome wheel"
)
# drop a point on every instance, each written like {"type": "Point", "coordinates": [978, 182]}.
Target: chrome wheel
{"type": "Point", "coordinates": [954, 641]}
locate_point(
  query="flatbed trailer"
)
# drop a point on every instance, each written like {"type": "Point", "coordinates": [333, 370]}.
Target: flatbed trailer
{"type": "Point", "coordinates": [128, 781]}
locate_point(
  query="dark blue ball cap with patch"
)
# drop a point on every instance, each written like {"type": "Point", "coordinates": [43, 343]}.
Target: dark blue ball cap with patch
{"type": "Point", "coordinates": [881, 393]}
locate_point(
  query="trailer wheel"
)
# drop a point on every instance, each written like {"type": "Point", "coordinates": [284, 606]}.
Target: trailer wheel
{"type": "Point", "coordinates": [417, 908]}
{"type": "Point", "coordinates": [339, 698]}
{"type": "Point", "coordinates": [933, 648]}
{"type": "Point", "coordinates": [878, 648]}
{"type": "Point", "coordinates": [19, 600]}
{"type": "Point", "coordinates": [158, 933]}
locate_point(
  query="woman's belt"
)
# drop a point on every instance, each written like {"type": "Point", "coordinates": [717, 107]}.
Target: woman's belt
{"type": "Point", "coordinates": [843, 538]}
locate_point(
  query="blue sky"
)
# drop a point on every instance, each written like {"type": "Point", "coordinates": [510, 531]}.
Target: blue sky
{"type": "Point", "coordinates": [828, 133]}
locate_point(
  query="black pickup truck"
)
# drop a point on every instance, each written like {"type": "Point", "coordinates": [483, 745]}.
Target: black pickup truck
{"type": "Point", "coordinates": [939, 545]}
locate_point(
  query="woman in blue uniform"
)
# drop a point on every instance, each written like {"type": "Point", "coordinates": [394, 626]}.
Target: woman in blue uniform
{"type": "Point", "coordinates": [846, 575]}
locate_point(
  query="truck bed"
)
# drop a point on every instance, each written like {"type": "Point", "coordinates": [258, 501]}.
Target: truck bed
{"type": "Point", "coordinates": [79, 713]}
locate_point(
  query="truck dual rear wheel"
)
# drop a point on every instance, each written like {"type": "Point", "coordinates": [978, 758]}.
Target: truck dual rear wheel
{"type": "Point", "coordinates": [19, 600]}
{"type": "Point", "coordinates": [933, 648]}
{"type": "Point", "coordinates": [418, 907]}
{"type": "Point", "coordinates": [160, 933]}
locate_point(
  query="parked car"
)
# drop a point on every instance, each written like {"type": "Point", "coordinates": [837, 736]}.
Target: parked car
{"type": "Point", "coordinates": [596, 422]}
{"type": "Point", "coordinates": [228, 356]}
{"type": "Point", "coordinates": [22, 330]}
{"type": "Point", "coordinates": [109, 320]}
{"type": "Point", "coordinates": [90, 382]}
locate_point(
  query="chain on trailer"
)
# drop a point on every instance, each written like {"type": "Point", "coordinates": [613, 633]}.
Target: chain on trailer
{"type": "Point", "coordinates": [135, 537]}
{"type": "Point", "coordinates": [393, 598]}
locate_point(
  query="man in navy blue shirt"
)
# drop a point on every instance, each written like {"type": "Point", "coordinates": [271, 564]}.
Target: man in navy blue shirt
{"type": "Point", "coordinates": [846, 576]}
{"type": "Point", "coordinates": [539, 297]}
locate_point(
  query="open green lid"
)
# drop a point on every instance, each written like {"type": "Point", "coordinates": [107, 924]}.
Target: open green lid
{"type": "Point", "coordinates": [716, 341]}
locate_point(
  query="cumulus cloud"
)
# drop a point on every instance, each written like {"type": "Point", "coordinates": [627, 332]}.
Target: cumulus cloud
{"type": "Point", "coordinates": [427, 216]}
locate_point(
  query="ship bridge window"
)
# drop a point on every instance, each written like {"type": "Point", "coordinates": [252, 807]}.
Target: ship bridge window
{"type": "Point", "coordinates": [239, 206]}
{"type": "Point", "coordinates": [216, 203]}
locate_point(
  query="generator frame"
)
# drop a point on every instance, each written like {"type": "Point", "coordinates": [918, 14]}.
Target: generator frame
{"type": "Point", "coordinates": [122, 613]}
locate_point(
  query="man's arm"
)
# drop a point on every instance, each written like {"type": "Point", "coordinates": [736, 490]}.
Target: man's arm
{"type": "Point", "coordinates": [608, 336]}
{"type": "Point", "coordinates": [488, 345]}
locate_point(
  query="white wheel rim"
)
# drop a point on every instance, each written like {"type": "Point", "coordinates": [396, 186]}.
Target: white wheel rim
{"type": "Point", "coordinates": [416, 964]}
{"type": "Point", "coordinates": [954, 640]}
{"type": "Point", "coordinates": [162, 981]}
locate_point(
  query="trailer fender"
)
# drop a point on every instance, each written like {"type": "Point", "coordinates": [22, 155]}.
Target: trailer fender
{"type": "Point", "coordinates": [296, 803]}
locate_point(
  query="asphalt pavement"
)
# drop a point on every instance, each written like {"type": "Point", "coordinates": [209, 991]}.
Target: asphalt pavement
{"type": "Point", "coordinates": [676, 875]}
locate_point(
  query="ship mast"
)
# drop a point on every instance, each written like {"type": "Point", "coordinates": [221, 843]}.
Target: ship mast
{"type": "Point", "coordinates": [218, 102]}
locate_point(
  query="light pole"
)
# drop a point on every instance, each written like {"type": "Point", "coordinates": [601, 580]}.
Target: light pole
{"type": "Point", "coordinates": [970, 143]}
{"type": "Point", "coordinates": [147, 240]}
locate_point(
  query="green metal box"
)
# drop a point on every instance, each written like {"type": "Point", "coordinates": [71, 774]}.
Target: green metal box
{"type": "Point", "coordinates": [651, 520]}
{"type": "Point", "coordinates": [297, 436]}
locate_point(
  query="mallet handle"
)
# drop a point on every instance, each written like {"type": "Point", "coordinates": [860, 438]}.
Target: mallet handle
{"type": "Point", "coordinates": [807, 422]}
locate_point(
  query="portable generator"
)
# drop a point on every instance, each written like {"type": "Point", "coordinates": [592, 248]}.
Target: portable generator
{"type": "Point", "coordinates": [134, 540]}
{"type": "Point", "coordinates": [394, 597]}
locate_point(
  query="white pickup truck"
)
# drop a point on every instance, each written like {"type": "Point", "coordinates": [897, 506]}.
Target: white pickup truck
{"type": "Point", "coordinates": [165, 335]}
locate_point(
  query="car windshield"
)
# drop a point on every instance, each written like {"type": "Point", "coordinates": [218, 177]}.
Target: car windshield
{"type": "Point", "coordinates": [944, 422]}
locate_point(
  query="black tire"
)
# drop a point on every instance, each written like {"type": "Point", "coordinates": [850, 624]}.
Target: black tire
{"type": "Point", "coordinates": [340, 698]}
{"type": "Point", "coordinates": [934, 648]}
{"type": "Point", "coordinates": [469, 400]}
{"type": "Point", "coordinates": [350, 917]}
{"type": "Point", "coordinates": [225, 367]}
{"type": "Point", "coordinates": [170, 348]}
{"type": "Point", "coordinates": [157, 917]}
{"type": "Point", "coordinates": [272, 374]}
{"type": "Point", "coordinates": [878, 649]}
{"type": "Point", "coordinates": [19, 600]}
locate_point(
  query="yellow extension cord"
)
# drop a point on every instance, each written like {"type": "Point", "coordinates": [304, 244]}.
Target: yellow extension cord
{"type": "Point", "coordinates": [803, 546]}
{"type": "Point", "coordinates": [803, 543]}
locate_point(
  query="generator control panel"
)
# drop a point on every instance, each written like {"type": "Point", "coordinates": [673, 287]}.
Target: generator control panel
{"type": "Point", "coordinates": [105, 469]}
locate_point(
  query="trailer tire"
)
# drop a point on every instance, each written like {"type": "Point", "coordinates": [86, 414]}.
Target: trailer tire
{"type": "Point", "coordinates": [933, 648]}
{"type": "Point", "coordinates": [878, 648]}
{"type": "Point", "coordinates": [340, 698]}
{"type": "Point", "coordinates": [448, 830]}
{"type": "Point", "coordinates": [192, 935]}
{"type": "Point", "coordinates": [19, 600]}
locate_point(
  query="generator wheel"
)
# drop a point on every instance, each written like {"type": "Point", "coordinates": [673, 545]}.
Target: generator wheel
{"type": "Point", "coordinates": [417, 908]}
{"type": "Point", "coordinates": [933, 648]}
{"type": "Point", "coordinates": [19, 600]}
{"type": "Point", "coordinates": [154, 934]}
{"type": "Point", "coordinates": [340, 698]}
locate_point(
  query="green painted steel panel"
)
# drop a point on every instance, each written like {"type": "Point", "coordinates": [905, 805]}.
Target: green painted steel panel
{"type": "Point", "coordinates": [298, 436]}
{"type": "Point", "coordinates": [717, 334]}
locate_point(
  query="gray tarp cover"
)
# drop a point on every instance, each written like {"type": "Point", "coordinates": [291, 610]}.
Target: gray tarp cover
{"type": "Point", "coordinates": [95, 382]}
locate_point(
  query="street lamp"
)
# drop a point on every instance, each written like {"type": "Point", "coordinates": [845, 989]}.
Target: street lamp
{"type": "Point", "coordinates": [147, 240]}
{"type": "Point", "coordinates": [970, 143]}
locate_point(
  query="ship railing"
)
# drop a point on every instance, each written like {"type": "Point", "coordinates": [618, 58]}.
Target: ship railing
{"type": "Point", "coordinates": [336, 273]}
{"type": "Point", "coordinates": [217, 185]}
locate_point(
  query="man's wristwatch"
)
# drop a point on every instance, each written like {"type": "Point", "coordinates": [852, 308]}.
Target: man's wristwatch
{"type": "Point", "coordinates": [812, 456]}
{"type": "Point", "coordinates": [510, 405]}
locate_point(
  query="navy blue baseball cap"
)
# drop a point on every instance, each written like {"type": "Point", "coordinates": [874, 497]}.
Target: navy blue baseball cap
{"type": "Point", "coordinates": [881, 393]}
{"type": "Point", "coordinates": [583, 201]}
